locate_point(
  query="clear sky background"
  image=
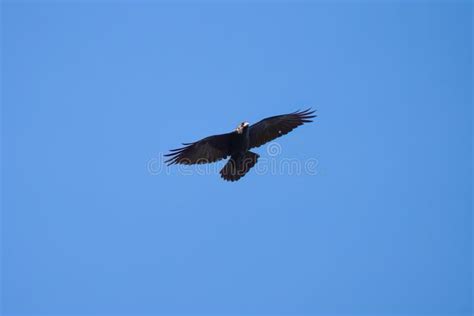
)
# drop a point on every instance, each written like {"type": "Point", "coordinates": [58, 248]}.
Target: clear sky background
{"type": "Point", "coordinates": [94, 92]}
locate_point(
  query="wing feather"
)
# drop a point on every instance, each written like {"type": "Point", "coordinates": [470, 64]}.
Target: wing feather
{"type": "Point", "coordinates": [206, 150]}
{"type": "Point", "coordinates": [275, 126]}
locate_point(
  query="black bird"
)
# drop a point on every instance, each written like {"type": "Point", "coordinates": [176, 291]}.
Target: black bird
{"type": "Point", "coordinates": [237, 144]}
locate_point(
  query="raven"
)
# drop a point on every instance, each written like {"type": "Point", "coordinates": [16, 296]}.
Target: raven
{"type": "Point", "coordinates": [236, 144]}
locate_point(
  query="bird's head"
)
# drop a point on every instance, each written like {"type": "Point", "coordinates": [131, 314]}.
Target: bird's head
{"type": "Point", "coordinates": [241, 128]}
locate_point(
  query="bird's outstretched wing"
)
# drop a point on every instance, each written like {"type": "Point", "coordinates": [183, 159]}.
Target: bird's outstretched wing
{"type": "Point", "coordinates": [206, 150]}
{"type": "Point", "coordinates": [276, 126]}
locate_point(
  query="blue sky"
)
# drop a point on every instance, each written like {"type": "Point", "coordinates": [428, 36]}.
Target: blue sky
{"type": "Point", "coordinates": [94, 92]}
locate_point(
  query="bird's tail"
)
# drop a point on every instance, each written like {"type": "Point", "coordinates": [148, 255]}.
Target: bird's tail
{"type": "Point", "coordinates": [238, 166]}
